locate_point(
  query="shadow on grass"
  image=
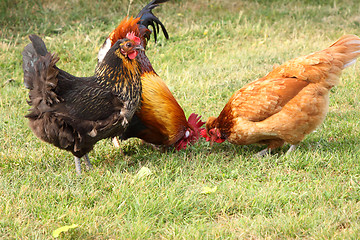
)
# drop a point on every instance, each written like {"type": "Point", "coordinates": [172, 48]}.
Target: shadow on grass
{"type": "Point", "coordinates": [320, 145]}
{"type": "Point", "coordinates": [310, 154]}
{"type": "Point", "coordinates": [130, 155]}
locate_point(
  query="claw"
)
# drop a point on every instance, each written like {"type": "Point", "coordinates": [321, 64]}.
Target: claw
{"type": "Point", "coordinates": [263, 152]}
{"type": "Point", "coordinates": [291, 149]}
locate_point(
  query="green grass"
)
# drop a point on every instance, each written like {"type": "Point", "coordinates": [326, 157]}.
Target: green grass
{"type": "Point", "coordinates": [215, 47]}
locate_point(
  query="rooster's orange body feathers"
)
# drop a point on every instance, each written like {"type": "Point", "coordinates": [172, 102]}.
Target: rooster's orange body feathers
{"type": "Point", "coordinates": [160, 120]}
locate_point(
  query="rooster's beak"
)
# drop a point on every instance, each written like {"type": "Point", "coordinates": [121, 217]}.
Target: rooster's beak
{"type": "Point", "coordinates": [139, 48]}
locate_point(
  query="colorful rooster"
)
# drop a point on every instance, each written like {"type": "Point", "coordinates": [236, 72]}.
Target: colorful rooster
{"type": "Point", "coordinates": [160, 119]}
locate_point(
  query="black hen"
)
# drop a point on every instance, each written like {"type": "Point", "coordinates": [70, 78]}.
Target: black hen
{"type": "Point", "coordinates": [73, 113]}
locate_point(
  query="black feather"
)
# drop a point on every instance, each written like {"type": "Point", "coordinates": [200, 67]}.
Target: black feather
{"type": "Point", "coordinates": [148, 18]}
{"type": "Point", "coordinates": [38, 44]}
{"type": "Point", "coordinates": [31, 55]}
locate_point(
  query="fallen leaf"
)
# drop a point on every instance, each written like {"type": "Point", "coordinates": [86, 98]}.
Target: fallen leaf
{"type": "Point", "coordinates": [207, 190]}
{"type": "Point", "coordinates": [59, 230]}
{"type": "Point", "coordinates": [143, 172]}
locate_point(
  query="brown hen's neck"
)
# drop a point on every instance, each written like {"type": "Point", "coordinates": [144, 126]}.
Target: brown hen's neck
{"type": "Point", "coordinates": [224, 122]}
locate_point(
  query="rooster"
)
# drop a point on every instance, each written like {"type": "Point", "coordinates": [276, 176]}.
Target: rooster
{"type": "Point", "coordinates": [73, 113]}
{"type": "Point", "coordinates": [287, 104]}
{"type": "Point", "coordinates": [160, 119]}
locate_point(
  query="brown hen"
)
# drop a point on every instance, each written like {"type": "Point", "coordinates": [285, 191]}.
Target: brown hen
{"type": "Point", "coordinates": [288, 103]}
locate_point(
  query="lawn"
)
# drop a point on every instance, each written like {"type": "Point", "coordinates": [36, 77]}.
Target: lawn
{"type": "Point", "coordinates": [215, 48]}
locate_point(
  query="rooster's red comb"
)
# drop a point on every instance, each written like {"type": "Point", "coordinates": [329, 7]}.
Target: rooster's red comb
{"type": "Point", "coordinates": [126, 26]}
{"type": "Point", "coordinates": [194, 121]}
{"type": "Point", "coordinates": [133, 37]}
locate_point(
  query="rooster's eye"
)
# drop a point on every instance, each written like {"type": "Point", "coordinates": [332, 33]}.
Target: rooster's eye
{"type": "Point", "coordinates": [128, 44]}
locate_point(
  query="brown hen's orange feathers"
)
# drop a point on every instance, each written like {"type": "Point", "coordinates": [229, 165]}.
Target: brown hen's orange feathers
{"type": "Point", "coordinates": [288, 103]}
{"type": "Point", "coordinates": [325, 65]}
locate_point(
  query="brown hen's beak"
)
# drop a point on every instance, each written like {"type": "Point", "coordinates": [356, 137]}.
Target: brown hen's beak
{"type": "Point", "coordinates": [139, 48]}
{"type": "Point", "coordinates": [212, 140]}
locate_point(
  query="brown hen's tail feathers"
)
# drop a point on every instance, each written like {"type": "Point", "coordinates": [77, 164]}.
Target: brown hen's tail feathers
{"type": "Point", "coordinates": [322, 66]}
{"type": "Point", "coordinates": [346, 50]}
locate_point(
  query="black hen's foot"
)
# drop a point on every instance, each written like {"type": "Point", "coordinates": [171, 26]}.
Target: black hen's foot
{"type": "Point", "coordinates": [78, 164]}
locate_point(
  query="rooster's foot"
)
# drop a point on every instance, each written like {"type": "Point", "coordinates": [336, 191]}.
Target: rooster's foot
{"type": "Point", "coordinates": [116, 142]}
{"type": "Point", "coordinates": [88, 163]}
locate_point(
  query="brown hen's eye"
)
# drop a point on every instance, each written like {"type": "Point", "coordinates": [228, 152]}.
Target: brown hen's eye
{"type": "Point", "coordinates": [128, 44]}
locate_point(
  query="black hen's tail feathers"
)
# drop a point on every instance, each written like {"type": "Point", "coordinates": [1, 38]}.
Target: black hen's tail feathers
{"type": "Point", "coordinates": [38, 44]}
{"type": "Point", "coordinates": [31, 55]}
{"type": "Point", "coordinates": [39, 74]}
{"type": "Point", "coordinates": [147, 18]}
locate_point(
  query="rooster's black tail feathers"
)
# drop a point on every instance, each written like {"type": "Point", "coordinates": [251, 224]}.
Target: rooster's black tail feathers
{"type": "Point", "coordinates": [147, 18]}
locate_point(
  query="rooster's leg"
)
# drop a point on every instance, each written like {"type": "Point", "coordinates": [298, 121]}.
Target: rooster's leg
{"type": "Point", "coordinates": [78, 165]}
{"type": "Point", "coordinates": [116, 142]}
{"type": "Point", "coordinates": [88, 163]}
{"type": "Point", "coordinates": [291, 149]}
{"type": "Point", "coordinates": [152, 146]}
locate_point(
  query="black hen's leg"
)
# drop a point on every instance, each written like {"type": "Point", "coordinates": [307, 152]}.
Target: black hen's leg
{"type": "Point", "coordinates": [88, 163]}
{"type": "Point", "coordinates": [78, 165]}
{"type": "Point", "coordinates": [116, 142]}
